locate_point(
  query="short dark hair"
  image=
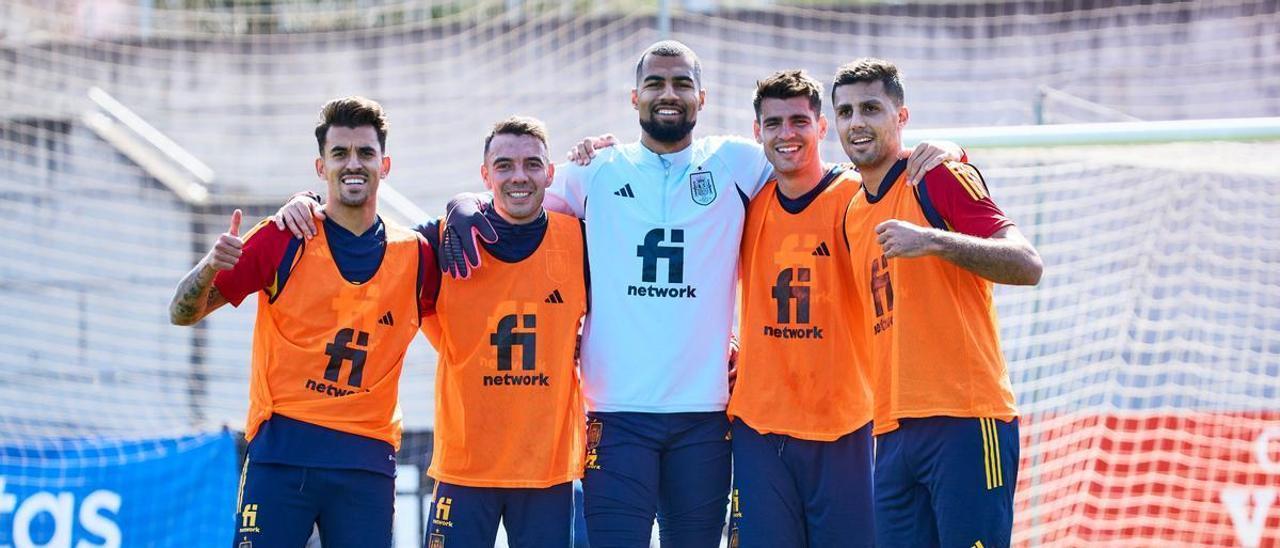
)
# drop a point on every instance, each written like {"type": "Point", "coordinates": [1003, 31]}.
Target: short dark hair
{"type": "Point", "coordinates": [786, 84]}
{"type": "Point", "coordinates": [670, 48]}
{"type": "Point", "coordinates": [870, 69]}
{"type": "Point", "coordinates": [352, 112]}
{"type": "Point", "coordinates": [517, 125]}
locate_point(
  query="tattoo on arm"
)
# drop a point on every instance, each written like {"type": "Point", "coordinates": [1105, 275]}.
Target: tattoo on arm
{"type": "Point", "coordinates": [215, 300]}
{"type": "Point", "coordinates": [195, 296]}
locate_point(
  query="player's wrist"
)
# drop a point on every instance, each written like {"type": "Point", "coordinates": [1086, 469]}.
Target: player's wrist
{"type": "Point", "coordinates": [207, 270]}
{"type": "Point", "coordinates": [936, 242]}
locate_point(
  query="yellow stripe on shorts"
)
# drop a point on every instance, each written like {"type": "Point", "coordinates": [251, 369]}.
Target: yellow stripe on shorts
{"type": "Point", "coordinates": [986, 451]}
{"type": "Point", "coordinates": [991, 453]}
{"type": "Point", "coordinates": [995, 455]}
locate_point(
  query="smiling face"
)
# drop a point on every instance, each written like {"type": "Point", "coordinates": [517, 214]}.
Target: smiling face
{"type": "Point", "coordinates": [790, 131]}
{"type": "Point", "coordinates": [516, 169]}
{"type": "Point", "coordinates": [352, 165]}
{"type": "Point", "coordinates": [869, 123]}
{"type": "Point", "coordinates": [668, 98]}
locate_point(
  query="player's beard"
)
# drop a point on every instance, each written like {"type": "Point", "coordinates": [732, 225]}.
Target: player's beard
{"type": "Point", "coordinates": [357, 200]}
{"type": "Point", "coordinates": [668, 133]}
{"type": "Point", "coordinates": [872, 156]}
{"type": "Point", "coordinates": [353, 201]}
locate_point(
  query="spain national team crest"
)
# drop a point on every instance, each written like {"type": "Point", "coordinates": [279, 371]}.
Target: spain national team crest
{"type": "Point", "coordinates": [702, 187]}
{"type": "Point", "coordinates": [594, 430]}
{"type": "Point", "coordinates": [558, 265]}
{"type": "Point", "coordinates": [435, 540]}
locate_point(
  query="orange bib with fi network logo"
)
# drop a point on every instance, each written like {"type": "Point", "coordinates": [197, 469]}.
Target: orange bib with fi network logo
{"type": "Point", "coordinates": [329, 352]}
{"type": "Point", "coordinates": [509, 410]}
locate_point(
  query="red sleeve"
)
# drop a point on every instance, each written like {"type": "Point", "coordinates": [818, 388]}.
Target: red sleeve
{"type": "Point", "coordinates": [960, 196]}
{"type": "Point", "coordinates": [429, 277]}
{"type": "Point", "coordinates": [264, 249]}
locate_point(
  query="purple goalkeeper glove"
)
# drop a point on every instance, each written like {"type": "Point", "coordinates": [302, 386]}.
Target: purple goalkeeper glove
{"type": "Point", "coordinates": [464, 222]}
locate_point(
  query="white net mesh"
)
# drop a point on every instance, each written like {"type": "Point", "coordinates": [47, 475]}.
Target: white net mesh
{"type": "Point", "coordinates": [1146, 363]}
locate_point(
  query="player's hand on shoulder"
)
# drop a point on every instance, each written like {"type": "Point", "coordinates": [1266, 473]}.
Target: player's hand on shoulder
{"type": "Point", "coordinates": [464, 224]}
{"type": "Point", "coordinates": [300, 215]}
{"type": "Point", "coordinates": [903, 239]}
{"type": "Point", "coordinates": [585, 151]}
{"type": "Point", "coordinates": [228, 247]}
{"type": "Point", "coordinates": [928, 155]}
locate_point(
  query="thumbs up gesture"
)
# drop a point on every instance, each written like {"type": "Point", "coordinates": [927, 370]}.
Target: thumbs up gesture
{"type": "Point", "coordinates": [226, 251]}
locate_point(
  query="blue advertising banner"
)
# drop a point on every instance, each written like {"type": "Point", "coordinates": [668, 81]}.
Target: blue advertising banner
{"type": "Point", "coordinates": [104, 492]}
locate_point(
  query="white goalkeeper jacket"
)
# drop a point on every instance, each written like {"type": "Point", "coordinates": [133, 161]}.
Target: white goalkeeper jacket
{"type": "Point", "coordinates": [663, 233]}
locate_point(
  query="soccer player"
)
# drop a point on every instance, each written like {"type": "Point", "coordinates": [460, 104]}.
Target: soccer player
{"type": "Point", "coordinates": [509, 435]}
{"type": "Point", "coordinates": [336, 314]}
{"type": "Point", "coordinates": [664, 224]}
{"type": "Point", "coordinates": [924, 260]}
{"type": "Point", "coordinates": [664, 221]}
{"type": "Point", "coordinates": [801, 407]}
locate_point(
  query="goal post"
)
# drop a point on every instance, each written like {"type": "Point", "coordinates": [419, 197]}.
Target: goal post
{"type": "Point", "coordinates": [1104, 133]}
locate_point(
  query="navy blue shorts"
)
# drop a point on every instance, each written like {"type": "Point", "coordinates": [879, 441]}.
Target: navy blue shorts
{"type": "Point", "coordinates": [793, 492]}
{"type": "Point", "coordinates": [946, 481]}
{"type": "Point", "coordinates": [463, 517]}
{"type": "Point", "coordinates": [672, 465]}
{"type": "Point", "coordinates": [280, 503]}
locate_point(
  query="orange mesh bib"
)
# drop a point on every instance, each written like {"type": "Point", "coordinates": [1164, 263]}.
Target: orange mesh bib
{"type": "Point", "coordinates": [509, 410]}
{"type": "Point", "coordinates": [799, 371]}
{"type": "Point", "coordinates": [931, 324]}
{"type": "Point", "coordinates": [329, 352]}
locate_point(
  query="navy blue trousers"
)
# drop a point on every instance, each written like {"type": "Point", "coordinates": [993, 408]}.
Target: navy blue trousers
{"type": "Point", "coordinates": [946, 481]}
{"type": "Point", "coordinates": [793, 492]}
{"type": "Point", "coordinates": [672, 465]}
{"type": "Point", "coordinates": [465, 517]}
{"type": "Point", "coordinates": [279, 504]}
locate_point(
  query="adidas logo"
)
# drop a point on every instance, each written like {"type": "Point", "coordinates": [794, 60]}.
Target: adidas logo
{"type": "Point", "coordinates": [386, 319]}
{"type": "Point", "coordinates": [554, 298]}
{"type": "Point", "coordinates": [625, 191]}
{"type": "Point", "coordinates": [822, 250]}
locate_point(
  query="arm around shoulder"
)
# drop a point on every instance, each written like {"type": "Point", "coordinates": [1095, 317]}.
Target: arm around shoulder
{"type": "Point", "coordinates": [747, 158]}
{"type": "Point", "coordinates": [428, 268]}
{"type": "Point", "coordinates": [557, 204]}
{"type": "Point", "coordinates": [568, 191]}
